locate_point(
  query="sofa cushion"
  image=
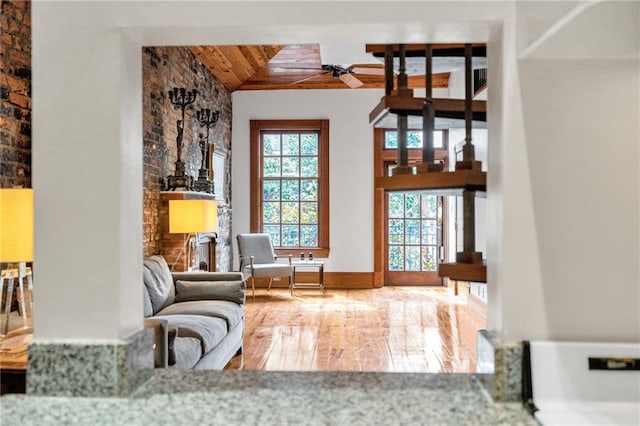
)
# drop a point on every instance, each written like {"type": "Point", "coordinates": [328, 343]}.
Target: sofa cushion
{"type": "Point", "coordinates": [231, 312]}
{"type": "Point", "coordinates": [208, 330]}
{"type": "Point", "coordinates": [270, 270]}
{"type": "Point", "coordinates": [232, 291]}
{"type": "Point", "coordinates": [188, 352]}
{"type": "Point", "coordinates": [158, 281]}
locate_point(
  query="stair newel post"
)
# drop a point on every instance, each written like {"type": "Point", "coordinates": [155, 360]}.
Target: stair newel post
{"type": "Point", "coordinates": [468, 150]}
{"type": "Point", "coordinates": [469, 220]}
{"type": "Point", "coordinates": [402, 167]}
{"type": "Point", "coordinates": [403, 81]}
{"type": "Point", "coordinates": [388, 69]}
{"type": "Point", "coordinates": [428, 116]}
{"type": "Point", "coordinates": [428, 119]}
{"type": "Point", "coordinates": [403, 152]}
{"type": "Point", "coordinates": [468, 255]}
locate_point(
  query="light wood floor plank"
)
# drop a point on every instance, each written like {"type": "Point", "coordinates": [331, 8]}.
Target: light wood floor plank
{"type": "Point", "coordinates": [392, 329]}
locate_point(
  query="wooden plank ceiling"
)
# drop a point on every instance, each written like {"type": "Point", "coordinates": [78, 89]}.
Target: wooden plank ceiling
{"type": "Point", "coordinates": [294, 66]}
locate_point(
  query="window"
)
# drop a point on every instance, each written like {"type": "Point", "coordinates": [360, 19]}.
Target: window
{"type": "Point", "coordinates": [414, 139]}
{"type": "Point", "coordinates": [290, 184]}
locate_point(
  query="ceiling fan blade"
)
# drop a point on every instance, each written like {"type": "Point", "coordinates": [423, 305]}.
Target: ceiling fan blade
{"type": "Point", "coordinates": [310, 77]}
{"type": "Point", "coordinates": [370, 70]}
{"type": "Point", "coordinates": [287, 69]}
{"type": "Point", "coordinates": [351, 81]}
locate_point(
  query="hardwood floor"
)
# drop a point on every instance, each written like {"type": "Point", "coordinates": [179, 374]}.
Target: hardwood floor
{"type": "Point", "coordinates": [391, 329]}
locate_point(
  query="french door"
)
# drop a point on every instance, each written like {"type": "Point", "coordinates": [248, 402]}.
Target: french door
{"type": "Point", "coordinates": [410, 226]}
{"type": "Point", "coordinates": [413, 238]}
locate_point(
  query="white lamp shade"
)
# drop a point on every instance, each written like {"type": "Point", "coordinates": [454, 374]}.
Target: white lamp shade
{"type": "Point", "coordinates": [16, 225]}
{"type": "Point", "coordinates": [193, 216]}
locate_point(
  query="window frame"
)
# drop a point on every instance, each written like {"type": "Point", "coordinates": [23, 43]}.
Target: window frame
{"type": "Point", "coordinates": [256, 187]}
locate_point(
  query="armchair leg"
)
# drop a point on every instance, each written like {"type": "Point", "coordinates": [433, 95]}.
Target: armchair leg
{"type": "Point", "coordinates": [270, 281]}
{"type": "Point", "coordinates": [253, 288]}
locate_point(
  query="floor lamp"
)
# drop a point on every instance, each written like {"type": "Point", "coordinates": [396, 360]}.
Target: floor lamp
{"type": "Point", "coordinates": [192, 217]}
{"type": "Point", "coordinates": [16, 245]}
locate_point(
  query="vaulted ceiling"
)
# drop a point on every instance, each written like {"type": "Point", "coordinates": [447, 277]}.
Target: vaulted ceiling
{"type": "Point", "coordinates": [294, 66]}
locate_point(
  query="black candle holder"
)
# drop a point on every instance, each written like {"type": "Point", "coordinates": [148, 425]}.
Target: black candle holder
{"type": "Point", "coordinates": [180, 98]}
{"type": "Point", "coordinates": [207, 118]}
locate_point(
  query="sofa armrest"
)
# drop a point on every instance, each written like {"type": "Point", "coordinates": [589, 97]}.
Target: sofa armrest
{"type": "Point", "coordinates": [161, 340]}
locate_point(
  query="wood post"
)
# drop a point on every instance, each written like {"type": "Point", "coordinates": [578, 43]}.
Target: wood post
{"type": "Point", "coordinates": [428, 120]}
{"type": "Point", "coordinates": [468, 151]}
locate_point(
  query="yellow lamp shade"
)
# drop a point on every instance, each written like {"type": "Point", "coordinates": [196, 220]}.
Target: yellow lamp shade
{"type": "Point", "coordinates": [16, 225]}
{"type": "Point", "coordinates": [193, 216]}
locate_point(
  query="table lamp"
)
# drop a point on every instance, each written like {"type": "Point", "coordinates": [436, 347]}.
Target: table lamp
{"type": "Point", "coordinates": [16, 240]}
{"type": "Point", "coordinates": [16, 225]}
{"type": "Point", "coordinates": [192, 217]}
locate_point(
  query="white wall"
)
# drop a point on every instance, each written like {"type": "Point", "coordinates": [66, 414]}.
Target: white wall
{"type": "Point", "coordinates": [563, 213]}
{"type": "Point", "coordinates": [350, 163]}
{"type": "Point", "coordinates": [543, 281]}
{"type": "Point", "coordinates": [584, 180]}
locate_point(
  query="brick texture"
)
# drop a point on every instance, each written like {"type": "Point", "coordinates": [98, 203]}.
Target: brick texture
{"type": "Point", "coordinates": [164, 68]}
{"type": "Point", "coordinates": [15, 94]}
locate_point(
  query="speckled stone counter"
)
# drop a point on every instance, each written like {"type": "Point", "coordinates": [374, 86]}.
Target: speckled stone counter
{"type": "Point", "coordinates": [277, 398]}
{"type": "Point", "coordinates": [500, 365]}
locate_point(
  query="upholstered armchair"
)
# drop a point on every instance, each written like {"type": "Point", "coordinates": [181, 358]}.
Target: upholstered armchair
{"type": "Point", "coordinates": [259, 260]}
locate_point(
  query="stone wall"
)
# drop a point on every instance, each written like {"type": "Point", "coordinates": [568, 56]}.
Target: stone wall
{"type": "Point", "coordinates": [164, 68]}
{"type": "Point", "coordinates": [15, 94]}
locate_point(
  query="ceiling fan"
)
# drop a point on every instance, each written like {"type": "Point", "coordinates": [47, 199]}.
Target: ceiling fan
{"type": "Point", "coordinates": [344, 73]}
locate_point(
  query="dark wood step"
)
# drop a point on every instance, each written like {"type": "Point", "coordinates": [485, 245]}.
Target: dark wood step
{"type": "Point", "coordinates": [451, 183]}
{"type": "Point", "coordinates": [476, 272]}
{"type": "Point", "coordinates": [445, 108]}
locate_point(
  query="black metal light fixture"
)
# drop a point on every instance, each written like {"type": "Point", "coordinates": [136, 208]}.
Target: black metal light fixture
{"type": "Point", "coordinates": [207, 118]}
{"type": "Point", "coordinates": [181, 98]}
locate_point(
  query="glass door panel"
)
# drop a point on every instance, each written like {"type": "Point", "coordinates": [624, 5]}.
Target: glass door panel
{"type": "Point", "coordinates": [413, 238]}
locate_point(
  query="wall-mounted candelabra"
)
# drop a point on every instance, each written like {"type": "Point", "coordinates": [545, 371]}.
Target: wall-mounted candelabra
{"type": "Point", "coordinates": [207, 119]}
{"type": "Point", "coordinates": [181, 99]}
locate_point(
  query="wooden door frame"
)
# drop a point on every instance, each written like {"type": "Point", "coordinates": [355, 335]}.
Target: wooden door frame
{"type": "Point", "coordinates": [380, 158]}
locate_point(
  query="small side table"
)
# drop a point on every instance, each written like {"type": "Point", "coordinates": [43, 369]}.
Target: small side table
{"type": "Point", "coordinates": [307, 264]}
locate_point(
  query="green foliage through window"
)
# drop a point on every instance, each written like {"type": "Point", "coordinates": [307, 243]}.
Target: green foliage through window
{"type": "Point", "coordinates": [290, 175]}
{"type": "Point", "coordinates": [414, 139]}
{"type": "Point", "coordinates": [413, 229]}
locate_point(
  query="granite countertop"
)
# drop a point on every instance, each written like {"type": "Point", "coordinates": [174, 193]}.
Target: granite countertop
{"type": "Point", "coordinates": [277, 398]}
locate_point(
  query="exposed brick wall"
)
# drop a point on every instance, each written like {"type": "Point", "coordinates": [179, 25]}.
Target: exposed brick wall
{"type": "Point", "coordinates": [164, 68]}
{"type": "Point", "coordinates": [15, 94]}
